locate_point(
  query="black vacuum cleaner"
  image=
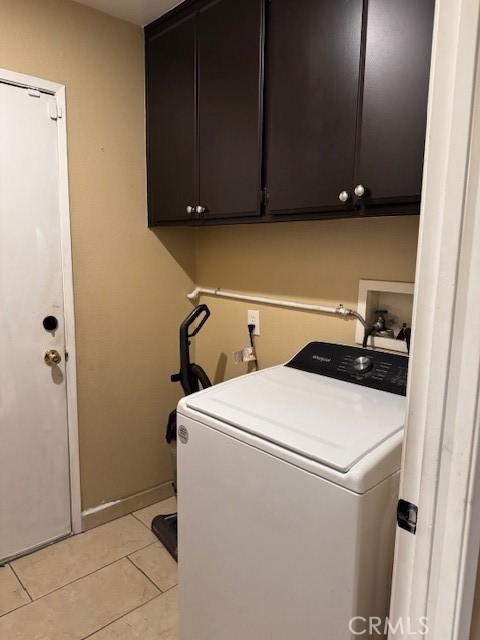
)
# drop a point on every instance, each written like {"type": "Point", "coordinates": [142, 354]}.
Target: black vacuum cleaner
{"type": "Point", "coordinates": [192, 378]}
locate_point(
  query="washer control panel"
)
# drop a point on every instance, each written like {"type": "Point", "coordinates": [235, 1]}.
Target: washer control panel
{"type": "Point", "coordinates": [375, 369]}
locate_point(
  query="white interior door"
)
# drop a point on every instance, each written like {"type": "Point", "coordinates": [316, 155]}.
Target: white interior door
{"type": "Point", "coordinates": [34, 450]}
{"type": "Point", "coordinates": [435, 569]}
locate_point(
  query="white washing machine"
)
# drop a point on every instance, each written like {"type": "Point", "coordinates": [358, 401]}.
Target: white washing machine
{"type": "Point", "coordinates": [287, 489]}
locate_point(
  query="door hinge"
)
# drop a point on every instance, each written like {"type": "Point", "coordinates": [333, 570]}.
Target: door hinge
{"type": "Point", "coordinates": [34, 93]}
{"type": "Point", "coordinates": [407, 516]}
{"type": "Point", "coordinates": [265, 197]}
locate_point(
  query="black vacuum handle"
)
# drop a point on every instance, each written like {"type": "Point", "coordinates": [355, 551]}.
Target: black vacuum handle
{"type": "Point", "coordinates": [186, 376]}
{"type": "Point", "coordinates": [190, 319]}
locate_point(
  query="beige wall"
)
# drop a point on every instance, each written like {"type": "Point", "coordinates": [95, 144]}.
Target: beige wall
{"type": "Point", "coordinates": [318, 261]}
{"type": "Point", "coordinates": [129, 282]}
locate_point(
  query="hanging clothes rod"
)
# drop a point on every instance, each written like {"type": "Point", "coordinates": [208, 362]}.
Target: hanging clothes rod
{"type": "Point", "coordinates": [339, 310]}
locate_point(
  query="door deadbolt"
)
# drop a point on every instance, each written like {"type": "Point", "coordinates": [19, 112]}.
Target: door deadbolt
{"type": "Point", "coordinates": [50, 323]}
{"type": "Point", "coordinates": [52, 357]}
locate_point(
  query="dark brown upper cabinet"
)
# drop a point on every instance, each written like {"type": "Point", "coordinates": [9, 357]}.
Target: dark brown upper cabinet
{"type": "Point", "coordinates": [393, 110]}
{"type": "Point", "coordinates": [204, 113]}
{"type": "Point", "coordinates": [171, 121]}
{"type": "Point", "coordinates": [230, 88]}
{"type": "Point", "coordinates": [333, 92]}
{"type": "Point", "coordinates": [346, 105]}
{"type": "Point", "coordinates": [312, 78]}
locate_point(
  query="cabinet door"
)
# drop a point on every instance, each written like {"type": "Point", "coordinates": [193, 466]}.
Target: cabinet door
{"type": "Point", "coordinates": [230, 43]}
{"type": "Point", "coordinates": [170, 56]}
{"type": "Point", "coordinates": [312, 69]}
{"type": "Point", "coordinates": [395, 93]}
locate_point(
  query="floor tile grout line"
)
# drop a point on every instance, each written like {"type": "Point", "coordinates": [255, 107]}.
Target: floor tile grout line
{"type": "Point", "coordinates": [141, 522]}
{"type": "Point", "coordinates": [20, 581]}
{"type": "Point", "coordinates": [124, 615]}
{"type": "Point", "coordinates": [56, 543]}
{"type": "Point", "coordinates": [155, 543]}
{"type": "Point", "coordinates": [157, 595]}
{"type": "Point", "coordinates": [133, 513]}
{"type": "Point", "coordinates": [103, 566]}
{"type": "Point", "coordinates": [22, 606]}
{"type": "Point", "coordinates": [109, 564]}
{"type": "Point", "coordinates": [169, 589]}
{"type": "Point", "coordinates": [150, 544]}
{"type": "Point", "coordinates": [67, 585]}
{"type": "Point", "coordinates": [143, 573]}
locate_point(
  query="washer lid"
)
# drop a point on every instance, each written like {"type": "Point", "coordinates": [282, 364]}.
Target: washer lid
{"type": "Point", "coordinates": [331, 421]}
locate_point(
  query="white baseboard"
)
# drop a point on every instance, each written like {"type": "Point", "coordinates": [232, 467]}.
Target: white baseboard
{"type": "Point", "coordinates": [103, 513]}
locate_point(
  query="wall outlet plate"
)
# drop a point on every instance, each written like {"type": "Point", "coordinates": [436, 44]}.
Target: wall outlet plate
{"type": "Point", "coordinates": [253, 317]}
{"type": "Point", "coordinates": [246, 354]}
{"type": "Point", "coordinates": [238, 356]}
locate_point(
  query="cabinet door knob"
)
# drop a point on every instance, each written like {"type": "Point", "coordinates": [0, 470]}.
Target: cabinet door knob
{"type": "Point", "coordinates": [190, 210]}
{"type": "Point", "coordinates": [359, 190]}
{"type": "Point", "coordinates": [199, 209]}
{"type": "Point", "coordinates": [344, 196]}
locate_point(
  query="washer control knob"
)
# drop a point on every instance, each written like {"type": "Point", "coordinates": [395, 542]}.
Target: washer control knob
{"type": "Point", "coordinates": [362, 364]}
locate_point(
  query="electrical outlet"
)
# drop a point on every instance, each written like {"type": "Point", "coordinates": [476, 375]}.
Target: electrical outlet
{"type": "Point", "coordinates": [244, 355]}
{"type": "Point", "coordinates": [253, 317]}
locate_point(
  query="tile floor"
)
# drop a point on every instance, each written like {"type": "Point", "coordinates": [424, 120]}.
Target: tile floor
{"type": "Point", "coordinates": [115, 581]}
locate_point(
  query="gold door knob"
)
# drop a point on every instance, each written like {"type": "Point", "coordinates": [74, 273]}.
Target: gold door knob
{"type": "Point", "coordinates": [52, 357]}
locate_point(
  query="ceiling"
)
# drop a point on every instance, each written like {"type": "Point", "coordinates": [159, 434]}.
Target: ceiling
{"type": "Point", "coordinates": [138, 11]}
